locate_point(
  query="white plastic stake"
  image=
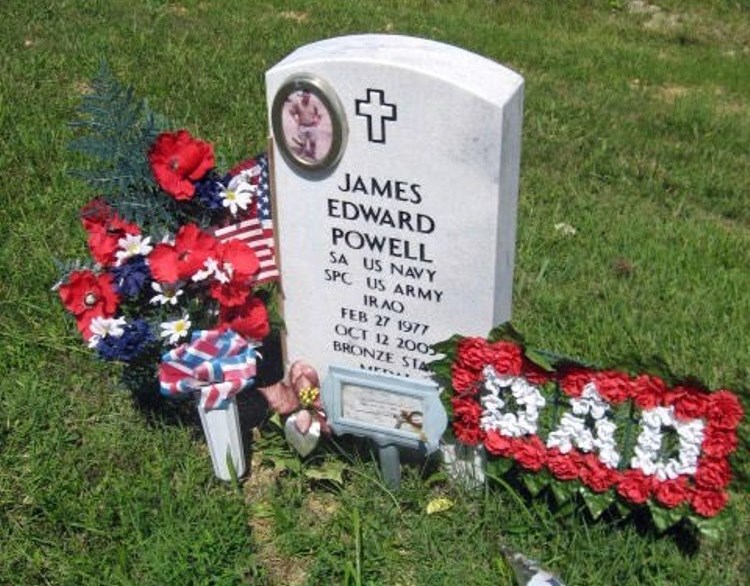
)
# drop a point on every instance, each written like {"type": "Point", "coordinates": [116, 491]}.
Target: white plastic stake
{"type": "Point", "coordinates": [223, 435]}
{"type": "Point", "coordinates": [464, 464]}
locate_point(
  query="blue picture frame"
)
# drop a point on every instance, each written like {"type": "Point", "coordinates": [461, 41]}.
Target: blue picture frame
{"type": "Point", "coordinates": [391, 410]}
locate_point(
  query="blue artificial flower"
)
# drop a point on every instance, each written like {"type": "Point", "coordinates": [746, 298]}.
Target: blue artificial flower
{"type": "Point", "coordinates": [131, 277]}
{"type": "Point", "coordinates": [208, 192]}
{"type": "Point", "coordinates": [136, 336]}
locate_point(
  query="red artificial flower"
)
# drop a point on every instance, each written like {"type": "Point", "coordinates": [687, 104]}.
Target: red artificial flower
{"type": "Point", "coordinates": [718, 443]}
{"type": "Point", "coordinates": [612, 386]}
{"type": "Point", "coordinates": [648, 391]}
{"type": "Point", "coordinates": [498, 444]}
{"type": "Point", "coordinates": [180, 261]}
{"type": "Point", "coordinates": [564, 466]}
{"type": "Point", "coordinates": [95, 213]}
{"type": "Point", "coordinates": [466, 416]}
{"type": "Point", "coordinates": [596, 475]}
{"type": "Point", "coordinates": [534, 373]}
{"type": "Point", "coordinates": [466, 409]}
{"type": "Point", "coordinates": [231, 294]}
{"type": "Point", "coordinates": [472, 354]}
{"type": "Point", "coordinates": [688, 403]}
{"type": "Point", "coordinates": [724, 410]}
{"type": "Point", "coordinates": [241, 257]}
{"type": "Point", "coordinates": [505, 357]}
{"type": "Point", "coordinates": [193, 248]}
{"type": "Point", "coordinates": [529, 453]}
{"type": "Point", "coordinates": [239, 262]}
{"type": "Point", "coordinates": [471, 435]}
{"type": "Point", "coordinates": [177, 160]}
{"type": "Point", "coordinates": [635, 486]}
{"type": "Point", "coordinates": [88, 296]}
{"type": "Point", "coordinates": [250, 319]}
{"type": "Point", "coordinates": [163, 263]}
{"type": "Point", "coordinates": [574, 379]}
{"type": "Point", "coordinates": [105, 229]}
{"type": "Point", "coordinates": [464, 380]}
{"type": "Point", "coordinates": [713, 473]}
{"type": "Point", "coordinates": [671, 493]}
{"type": "Point", "coordinates": [708, 502]}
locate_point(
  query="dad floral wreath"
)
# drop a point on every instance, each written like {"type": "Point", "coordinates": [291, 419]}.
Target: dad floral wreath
{"type": "Point", "coordinates": [613, 436]}
{"type": "Point", "coordinates": [180, 253]}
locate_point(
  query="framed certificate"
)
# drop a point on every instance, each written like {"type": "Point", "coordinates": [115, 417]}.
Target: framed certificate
{"type": "Point", "coordinates": [388, 409]}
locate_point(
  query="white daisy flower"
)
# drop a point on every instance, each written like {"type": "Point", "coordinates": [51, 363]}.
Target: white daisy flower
{"type": "Point", "coordinates": [221, 272]}
{"type": "Point", "coordinates": [166, 293]}
{"type": "Point", "coordinates": [248, 174]}
{"type": "Point", "coordinates": [132, 245]}
{"type": "Point", "coordinates": [237, 195]}
{"type": "Point", "coordinates": [176, 329]}
{"type": "Point", "coordinates": [224, 273]}
{"type": "Point", "coordinates": [101, 327]}
{"type": "Point", "coordinates": [210, 266]}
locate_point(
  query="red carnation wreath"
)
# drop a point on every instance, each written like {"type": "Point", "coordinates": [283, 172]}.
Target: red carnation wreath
{"type": "Point", "coordinates": [610, 433]}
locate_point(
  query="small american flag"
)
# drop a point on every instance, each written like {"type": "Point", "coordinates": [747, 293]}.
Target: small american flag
{"type": "Point", "coordinates": [256, 229]}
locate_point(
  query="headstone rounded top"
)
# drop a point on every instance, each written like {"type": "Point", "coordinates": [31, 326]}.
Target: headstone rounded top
{"type": "Point", "coordinates": [477, 74]}
{"type": "Point", "coordinates": [406, 235]}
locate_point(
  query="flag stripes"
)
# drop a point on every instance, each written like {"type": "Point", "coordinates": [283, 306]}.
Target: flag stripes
{"type": "Point", "coordinates": [260, 240]}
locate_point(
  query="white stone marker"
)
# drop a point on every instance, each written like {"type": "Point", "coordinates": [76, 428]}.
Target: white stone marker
{"type": "Point", "coordinates": [396, 179]}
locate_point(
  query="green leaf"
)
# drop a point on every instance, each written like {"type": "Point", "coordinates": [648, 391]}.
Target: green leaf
{"type": "Point", "coordinates": [115, 130]}
{"type": "Point", "coordinates": [442, 370]}
{"type": "Point", "coordinates": [439, 505]}
{"type": "Point", "coordinates": [622, 508]}
{"type": "Point", "coordinates": [331, 470]}
{"type": "Point", "coordinates": [535, 483]}
{"type": "Point", "coordinates": [711, 528]}
{"type": "Point", "coordinates": [566, 510]}
{"type": "Point", "coordinates": [499, 466]}
{"type": "Point", "coordinates": [438, 477]}
{"type": "Point", "coordinates": [261, 510]}
{"type": "Point", "coordinates": [562, 491]}
{"type": "Point", "coordinates": [596, 503]}
{"type": "Point", "coordinates": [541, 359]}
{"type": "Point", "coordinates": [448, 347]}
{"type": "Point", "coordinates": [276, 420]}
{"type": "Point", "coordinates": [664, 518]}
{"type": "Point", "coordinates": [284, 463]}
{"type": "Point", "coordinates": [65, 267]}
{"type": "Point", "coordinates": [505, 331]}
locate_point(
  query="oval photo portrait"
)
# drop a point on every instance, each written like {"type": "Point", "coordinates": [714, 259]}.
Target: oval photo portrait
{"type": "Point", "coordinates": [308, 124]}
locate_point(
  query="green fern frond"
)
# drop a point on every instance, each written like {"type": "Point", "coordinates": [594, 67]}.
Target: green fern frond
{"type": "Point", "coordinates": [115, 131]}
{"type": "Point", "coordinates": [66, 267]}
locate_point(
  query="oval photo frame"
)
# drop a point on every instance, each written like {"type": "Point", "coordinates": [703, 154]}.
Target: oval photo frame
{"type": "Point", "coordinates": [309, 124]}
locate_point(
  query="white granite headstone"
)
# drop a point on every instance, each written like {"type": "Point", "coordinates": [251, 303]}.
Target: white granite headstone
{"type": "Point", "coordinates": [396, 165]}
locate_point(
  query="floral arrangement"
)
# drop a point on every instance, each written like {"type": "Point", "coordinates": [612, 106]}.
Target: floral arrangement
{"type": "Point", "coordinates": [298, 397]}
{"type": "Point", "coordinates": [177, 247]}
{"type": "Point", "coordinates": [616, 437]}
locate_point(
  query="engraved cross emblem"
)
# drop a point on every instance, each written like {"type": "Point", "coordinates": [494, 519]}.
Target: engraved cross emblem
{"type": "Point", "coordinates": [378, 112]}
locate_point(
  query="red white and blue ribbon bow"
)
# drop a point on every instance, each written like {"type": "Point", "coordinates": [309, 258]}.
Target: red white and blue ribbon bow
{"type": "Point", "coordinates": [216, 364]}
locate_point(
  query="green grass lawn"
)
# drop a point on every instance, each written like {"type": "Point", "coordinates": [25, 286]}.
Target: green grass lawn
{"type": "Point", "coordinates": [636, 133]}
